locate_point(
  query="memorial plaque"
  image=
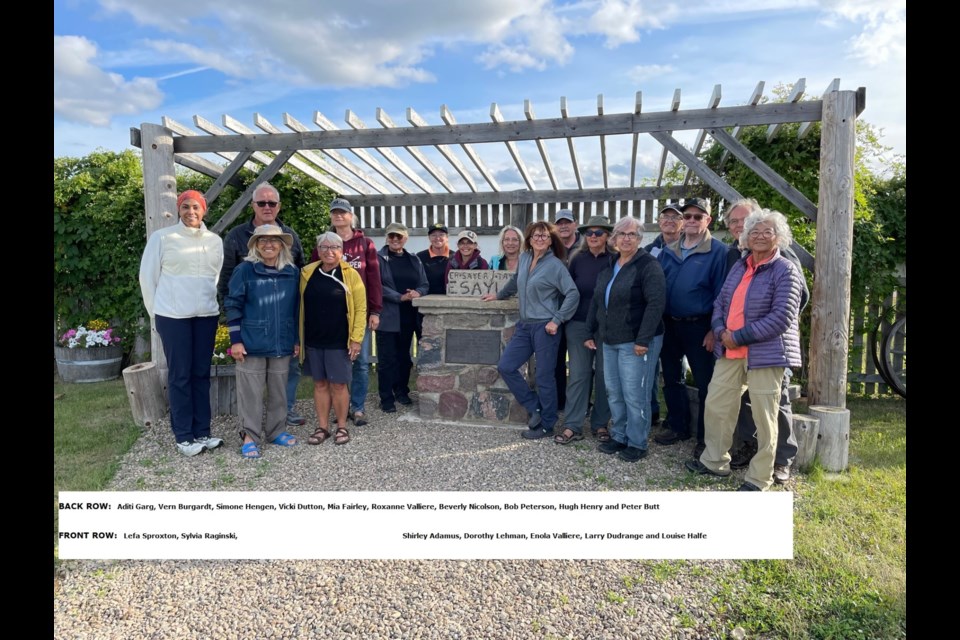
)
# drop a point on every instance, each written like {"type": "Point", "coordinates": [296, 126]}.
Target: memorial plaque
{"type": "Point", "coordinates": [476, 282]}
{"type": "Point", "coordinates": [472, 346]}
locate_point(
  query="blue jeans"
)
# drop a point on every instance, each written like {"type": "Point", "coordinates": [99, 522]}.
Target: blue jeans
{"type": "Point", "coordinates": [629, 378]}
{"type": "Point", "coordinates": [360, 383]}
{"type": "Point", "coordinates": [188, 346]}
{"type": "Point", "coordinates": [532, 339]}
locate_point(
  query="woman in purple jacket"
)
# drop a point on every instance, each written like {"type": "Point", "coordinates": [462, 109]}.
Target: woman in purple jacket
{"type": "Point", "coordinates": [757, 337]}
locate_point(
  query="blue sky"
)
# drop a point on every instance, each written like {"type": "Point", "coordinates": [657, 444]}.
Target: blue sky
{"type": "Point", "coordinates": [119, 63]}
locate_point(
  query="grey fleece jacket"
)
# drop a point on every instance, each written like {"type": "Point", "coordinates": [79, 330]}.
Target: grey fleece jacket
{"type": "Point", "coordinates": [547, 294]}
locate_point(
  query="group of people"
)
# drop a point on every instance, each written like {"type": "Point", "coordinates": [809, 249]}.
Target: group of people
{"type": "Point", "coordinates": [621, 310]}
{"type": "Point", "coordinates": [731, 313]}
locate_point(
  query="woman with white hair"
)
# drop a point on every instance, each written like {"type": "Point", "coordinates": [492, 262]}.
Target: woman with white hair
{"type": "Point", "coordinates": [627, 315]}
{"type": "Point", "coordinates": [755, 322]}
{"type": "Point", "coordinates": [262, 306]}
{"type": "Point", "coordinates": [510, 242]}
{"type": "Point", "coordinates": [333, 319]}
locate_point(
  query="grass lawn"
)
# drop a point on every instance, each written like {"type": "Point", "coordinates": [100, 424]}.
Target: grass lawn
{"type": "Point", "coordinates": [847, 578]}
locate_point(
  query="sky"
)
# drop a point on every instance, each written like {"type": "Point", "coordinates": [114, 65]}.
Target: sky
{"type": "Point", "coordinates": [121, 63]}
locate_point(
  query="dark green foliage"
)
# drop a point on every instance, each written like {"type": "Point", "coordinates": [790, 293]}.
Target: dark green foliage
{"type": "Point", "coordinates": [99, 232]}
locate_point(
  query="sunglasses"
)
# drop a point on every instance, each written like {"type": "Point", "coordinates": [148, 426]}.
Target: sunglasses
{"type": "Point", "coordinates": [594, 233]}
{"type": "Point", "coordinates": [395, 236]}
{"type": "Point", "coordinates": [693, 216]}
{"type": "Point", "coordinates": [266, 203]}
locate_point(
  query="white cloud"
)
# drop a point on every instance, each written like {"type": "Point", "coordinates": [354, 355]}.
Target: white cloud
{"type": "Point", "coordinates": [884, 36]}
{"type": "Point", "coordinates": [620, 20]}
{"type": "Point", "coordinates": [83, 92]}
{"type": "Point", "coordinates": [643, 72]}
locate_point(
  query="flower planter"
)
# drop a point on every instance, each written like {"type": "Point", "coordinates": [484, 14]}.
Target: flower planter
{"type": "Point", "coordinates": [93, 364]}
{"type": "Point", "coordinates": [223, 389]}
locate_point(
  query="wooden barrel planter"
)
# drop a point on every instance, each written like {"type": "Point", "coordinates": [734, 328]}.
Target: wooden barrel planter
{"type": "Point", "coordinates": [94, 364]}
{"type": "Point", "coordinates": [223, 389]}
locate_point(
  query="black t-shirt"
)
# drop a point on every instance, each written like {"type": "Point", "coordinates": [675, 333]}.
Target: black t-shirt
{"type": "Point", "coordinates": [436, 268]}
{"type": "Point", "coordinates": [325, 311]}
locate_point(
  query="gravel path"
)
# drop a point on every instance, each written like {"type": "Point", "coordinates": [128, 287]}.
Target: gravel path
{"type": "Point", "coordinates": [616, 599]}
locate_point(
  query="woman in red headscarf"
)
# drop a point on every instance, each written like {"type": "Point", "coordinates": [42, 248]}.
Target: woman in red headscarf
{"type": "Point", "coordinates": [178, 279]}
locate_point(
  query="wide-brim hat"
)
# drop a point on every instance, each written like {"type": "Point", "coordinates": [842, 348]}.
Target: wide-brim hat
{"type": "Point", "coordinates": [269, 230]}
{"type": "Point", "coordinates": [597, 221]}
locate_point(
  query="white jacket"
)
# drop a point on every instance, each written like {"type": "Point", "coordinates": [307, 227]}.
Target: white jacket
{"type": "Point", "coordinates": [179, 272]}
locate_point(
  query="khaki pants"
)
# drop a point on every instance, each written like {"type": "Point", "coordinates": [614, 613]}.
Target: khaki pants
{"type": "Point", "coordinates": [730, 379]}
{"type": "Point", "coordinates": [253, 376]}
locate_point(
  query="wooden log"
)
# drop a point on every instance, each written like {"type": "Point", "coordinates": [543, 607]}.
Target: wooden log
{"type": "Point", "coordinates": [806, 429]}
{"type": "Point", "coordinates": [833, 443]}
{"type": "Point", "coordinates": [145, 392]}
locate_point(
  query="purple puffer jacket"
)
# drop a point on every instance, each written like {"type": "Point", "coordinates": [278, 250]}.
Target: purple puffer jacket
{"type": "Point", "coordinates": [771, 310]}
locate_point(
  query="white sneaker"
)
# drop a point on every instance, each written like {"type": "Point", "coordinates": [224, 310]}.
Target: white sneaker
{"type": "Point", "coordinates": [210, 442]}
{"type": "Point", "coordinates": [190, 448]}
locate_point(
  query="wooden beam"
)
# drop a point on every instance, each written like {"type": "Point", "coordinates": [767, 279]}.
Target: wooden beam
{"type": "Point", "coordinates": [675, 107]}
{"type": "Point", "coordinates": [541, 147]}
{"type": "Point", "coordinates": [702, 134]}
{"type": "Point", "coordinates": [215, 131]}
{"type": "Point", "coordinates": [323, 178]}
{"type": "Point", "coordinates": [327, 126]}
{"type": "Point", "coordinates": [706, 174]}
{"type": "Point", "coordinates": [523, 196]}
{"type": "Point", "coordinates": [738, 130]}
{"type": "Point", "coordinates": [356, 123]}
{"type": "Point", "coordinates": [203, 166]}
{"type": "Point", "coordinates": [309, 156]}
{"type": "Point", "coordinates": [575, 127]}
{"type": "Point", "coordinates": [767, 174]}
{"type": "Point", "coordinates": [185, 131]}
{"type": "Point", "coordinates": [295, 125]}
{"type": "Point", "coordinates": [387, 123]}
{"type": "Point", "coordinates": [224, 178]}
{"type": "Point", "coordinates": [806, 258]}
{"type": "Point", "coordinates": [795, 96]}
{"type": "Point", "coordinates": [265, 176]}
{"type": "Point", "coordinates": [830, 308]}
{"type": "Point", "coordinates": [496, 116]}
{"type": "Point", "coordinates": [414, 118]}
{"type": "Point", "coordinates": [638, 104]}
{"type": "Point", "coordinates": [447, 116]}
{"type": "Point", "coordinates": [573, 151]}
{"type": "Point", "coordinates": [603, 145]}
{"type": "Point", "coordinates": [805, 126]}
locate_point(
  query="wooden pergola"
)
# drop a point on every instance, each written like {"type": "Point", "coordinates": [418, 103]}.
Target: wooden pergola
{"type": "Point", "coordinates": [383, 186]}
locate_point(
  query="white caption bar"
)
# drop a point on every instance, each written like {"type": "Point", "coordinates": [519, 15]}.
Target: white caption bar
{"type": "Point", "coordinates": [433, 525]}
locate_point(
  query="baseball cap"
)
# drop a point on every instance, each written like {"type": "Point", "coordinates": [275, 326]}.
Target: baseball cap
{"type": "Point", "coordinates": [700, 203]}
{"type": "Point", "coordinates": [437, 226]}
{"type": "Point", "coordinates": [564, 214]}
{"type": "Point", "coordinates": [396, 227]}
{"type": "Point", "coordinates": [466, 234]}
{"type": "Point", "coordinates": [341, 203]}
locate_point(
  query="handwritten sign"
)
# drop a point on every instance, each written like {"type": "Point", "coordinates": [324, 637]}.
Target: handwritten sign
{"type": "Point", "coordinates": [476, 282]}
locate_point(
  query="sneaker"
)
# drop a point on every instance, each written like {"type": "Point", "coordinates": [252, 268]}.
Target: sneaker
{"type": "Point", "coordinates": [388, 408]}
{"type": "Point", "coordinates": [699, 449]}
{"type": "Point", "coordinates": [611, 447]}
{"type": "Point", "coordinates": [749, 486]}
{"type": "Point", "coordinates": [210, 442]}
{"type": "Point", "coordinates": [632, 454]}
{"type": "Point", "coordinates": [781, 473]}
{"type": "Point", "coordinates": [536, 434]}
{"type": "Point", "coordinates": [294, 419]}
{"type": "Point", "coordinates": [404, 399]}
{"type": "Point", "coordinates": [190, 448]}
{"type": "Point", "coordinates": [740, 459]}
{"type": "Point", "coordinates": [698, 467]}
{"type": "Point", "coordinates": [534, 421]}
{"type": "Point", "coordinates": [671, 437]}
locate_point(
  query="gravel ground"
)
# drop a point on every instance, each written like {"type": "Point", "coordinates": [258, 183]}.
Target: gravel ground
{"type": "Point", "coordinates": [616, 599]}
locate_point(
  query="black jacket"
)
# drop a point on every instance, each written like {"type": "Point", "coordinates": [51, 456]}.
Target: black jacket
{"type": "Point", "coordinates": [637, 300]}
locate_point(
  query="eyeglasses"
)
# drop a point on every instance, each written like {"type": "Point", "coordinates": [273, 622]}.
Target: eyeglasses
{"type": "Point", "coordinates": [594, 233]}
{"type": "Point", "coordinates": [670, 216]}
{"type": "Point", "coordinates": [269, 241]}
{"type": "Point", "coordinates": [328, 247]}
{"type": "Point", "coordinates": [395, 236]}
{"type": "Point", "coordinates": [693, 216]}
{"type": "Point", "coordinates": [629, 235]}
{"type": "Point", "coordinates": [541, 236]}
{"type": "Point", "coordinates": [766, 233]}
{"type": "Point", "coordinates": [266, 203]}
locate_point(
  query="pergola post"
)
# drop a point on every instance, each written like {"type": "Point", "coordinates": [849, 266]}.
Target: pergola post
{"type": "Point", "coordinates": [830, 311]}
{"type": "Point", "coordinates": [160, 204]}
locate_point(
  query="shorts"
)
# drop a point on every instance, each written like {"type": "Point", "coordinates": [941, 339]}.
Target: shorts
{"type": "Point", "coordinates": [328, 364]}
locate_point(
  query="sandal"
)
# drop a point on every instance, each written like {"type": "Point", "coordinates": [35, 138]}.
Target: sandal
{"type": "Point", "coordinates": [250, 451]}
{"type": "Point", "coordinates": [602, 435]}
{"type": "Point", "coordinates": [319, 436]}
{"type": "Point", "coordinates": [285, 439]}
{"type": "Point", "coordinates": [359, 419]}
{"type": "Point", "coordinates": [342, 436]}
{"type": "Point", "coordinates": [563, 438]}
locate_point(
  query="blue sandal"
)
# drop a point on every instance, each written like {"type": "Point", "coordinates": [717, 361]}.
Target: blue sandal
{"type": "Point", "coordinates": [250, 451]}
{"type": "Point", "coordinates": [285, 439]}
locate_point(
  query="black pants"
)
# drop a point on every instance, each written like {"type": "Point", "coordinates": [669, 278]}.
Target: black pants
{"type": "Point", "coordinates": [561, 370]}
{"type": "Point", "coordinates": [393, 360]}
{"type": "Point", "coordinates": [684, 338]}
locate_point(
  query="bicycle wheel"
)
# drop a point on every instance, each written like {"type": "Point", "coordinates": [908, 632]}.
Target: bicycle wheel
{"type": "Point", "coordinates": [876, 349]}
{"type": "Point", "coordinates": [894, 353]}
